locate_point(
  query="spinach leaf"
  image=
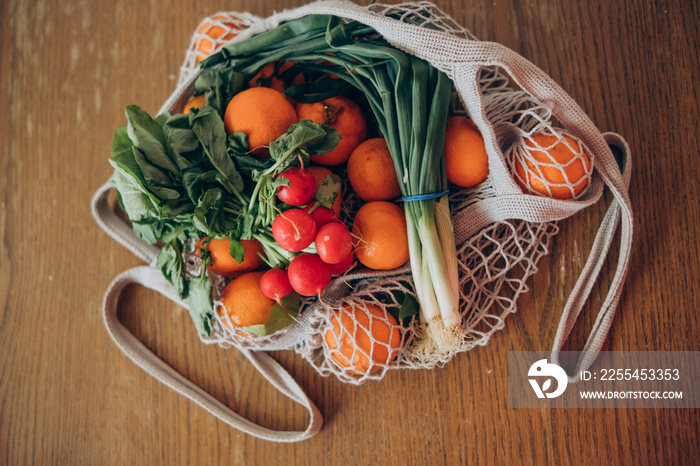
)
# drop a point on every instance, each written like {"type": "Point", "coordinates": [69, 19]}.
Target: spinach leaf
{"type": "Point", "coordinates": [171, 263]}
{"type": "Point", "coordinates": [209, 128]}
{"type": "Point", "coordinates": [197, 182]}
{"type": "Point", "coordinates": [313, 138]}
{"type": "Point", "coordinates": [182, 142]}
{"type": "Point", "coordinates": [134, 198]}
{"type": "Point", "coordinates": [207, 213]}
{"type": "Point", "coordinates": [160, 182]}
{"type": "Point", "coordinates": [237, 143]}
{"type": "Point", "coordinates": [200, 303]}
{"type": "Point", "coordinates": [219, 86]}
{"type": "Point", "coordinates": [147, 135]}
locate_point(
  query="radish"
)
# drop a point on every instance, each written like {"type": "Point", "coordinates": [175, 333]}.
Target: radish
{"type": "Point", "coordinates": [275, 284]}
{"type": "Point", "coordinates": [301, 189]}
{"type": "Point", "coordinates": [294, 230]}
{"type": "Point", "coordinates": [321, 215]}
{"type": "Point", "coordinates": [343, 266]}
{"type": "Point", "coordinates": [308, 274]}
{"type": "Point", "coordinates": [333, 242]}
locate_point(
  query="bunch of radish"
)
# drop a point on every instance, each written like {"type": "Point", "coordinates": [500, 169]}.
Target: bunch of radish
{"type": "Point", "coordinates": [295, 229]}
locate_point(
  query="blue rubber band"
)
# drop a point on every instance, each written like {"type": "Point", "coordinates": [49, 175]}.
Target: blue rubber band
{"type": "Point", "coordinates": [423, 197]}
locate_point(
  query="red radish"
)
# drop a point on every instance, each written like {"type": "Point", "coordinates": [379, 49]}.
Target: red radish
{"type": "Point", "coordinates": [333, 242]}
{"type": "Point", "coordinates": [321, 215]}
{"type": "Point", "coordinates": [308, 274]}
{"type": "Point", "coordinates": [294, 230]}
{"type": "Point", "coordinates": [275, 284]}
{"type": "Point", "coordinates": [343, 266]}
{"type": "Point", "coordinates": [301, 189]}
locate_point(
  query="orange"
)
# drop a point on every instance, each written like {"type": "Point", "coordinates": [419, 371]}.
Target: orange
{"type": "Point", "coordinates": [379, 235]}
{"type": "Point", "coordinates": [267, 77]}
{"type": "Point", "coordinates": [213, 33]}
{"type": "Point", "coordinates": [346, 117]}
{"type": "Point", "coordinates": [362, 340]}
{"type": "Point", "coordinates": [222, 263]}
{"type": "Point", "coordinates": [544, 177]}
{"type": "Point", "coordinates": [262, 113]}
{"type": "Point", "coordinates": [466, 159]}
{"type": "Point", "coordinates": [371, 171]}
{"type": "Point", "coordinates": [319, 174]}
{"type": "Point", "coordinates": [197, 102]}
{"type": "Point", "coordinates": [245, 302]}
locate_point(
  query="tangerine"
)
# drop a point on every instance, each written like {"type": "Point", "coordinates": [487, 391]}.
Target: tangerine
{"type": "Point", "coordinates": [371, 171]}
{"type": "Point", "coordinates": [213, 33]}
{"type": "Point", "coordinates": [262, 113]}
{"type": "Point", "coordinates": [561, 168]}
{"type": "Point", "coordinates": [362, 338]}
{"type": "Point", "coordinates": [380, 236]}
{"type": "Point", "coordinates": [222, 263]}
{"type": "Point", "coordinates": [467, 162]}
{"type": "Point", "coordinates": [195, 102]}
{"type": "Point", "coordinates": [244, 301]}
{"type": "Point", "coordinates": [346, 117]}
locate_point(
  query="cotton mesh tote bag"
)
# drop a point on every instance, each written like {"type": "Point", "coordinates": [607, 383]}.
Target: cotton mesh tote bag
{"type": "Point", "coordinates": [502, 226]}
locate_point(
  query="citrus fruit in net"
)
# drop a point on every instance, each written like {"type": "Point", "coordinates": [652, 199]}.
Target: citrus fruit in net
{"type": "Point", "coordinates": [555, 167]}
{"type": "Point", "coordinates": [379, 235]}
{"type": "Point", "coordinates": [467, 162]}
{"type": "Point", "coordinates": [346, 117]}
{"type": "Point", "coordinates": [262, 113]}
{"type": "Point", "coordinates": [213, 33]}
{"type": "Point", "coordinates": [362, 340]}
{"type": "Point", "coordinates": [244, 301]}
{"type": "Point", "coordinates": [371, 171]}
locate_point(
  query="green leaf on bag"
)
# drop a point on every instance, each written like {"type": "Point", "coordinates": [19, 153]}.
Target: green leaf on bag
{"type": "Point", "coordinates": [409, 308]}
{"type": "Point", "coordinates": [278, 318]}
{"type": "Point", "coordinates": [172, 265]}
{"type": "Point", "coordinates": [200, 304]}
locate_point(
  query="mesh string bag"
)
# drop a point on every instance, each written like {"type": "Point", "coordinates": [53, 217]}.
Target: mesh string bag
{"type": "Point", "coordinates": [357, 329]}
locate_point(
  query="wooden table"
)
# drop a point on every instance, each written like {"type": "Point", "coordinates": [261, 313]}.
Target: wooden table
{"type": "Point", "coordinates": [68, 396]}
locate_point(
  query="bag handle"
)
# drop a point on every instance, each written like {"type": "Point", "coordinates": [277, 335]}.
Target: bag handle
{"type": "Point", "coordinates": [143, 357]}
{"type": "Point", "coordinates": [616, 214]}
{"type": "Point", "coordinates": [117, 228]}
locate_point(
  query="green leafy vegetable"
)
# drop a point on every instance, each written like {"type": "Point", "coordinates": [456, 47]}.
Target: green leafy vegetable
{"type": "Point", "coordinates": [199, 302]}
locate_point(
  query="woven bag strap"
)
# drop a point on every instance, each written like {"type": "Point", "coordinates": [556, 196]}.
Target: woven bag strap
{"type": "Point", "coordinates": [143, 357]}
{"type": "Point", "coordinates": [618, 214]}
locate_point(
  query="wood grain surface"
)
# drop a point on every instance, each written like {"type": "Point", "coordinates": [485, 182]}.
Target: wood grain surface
{"type": "Point", "coordinates": [69, 396]}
